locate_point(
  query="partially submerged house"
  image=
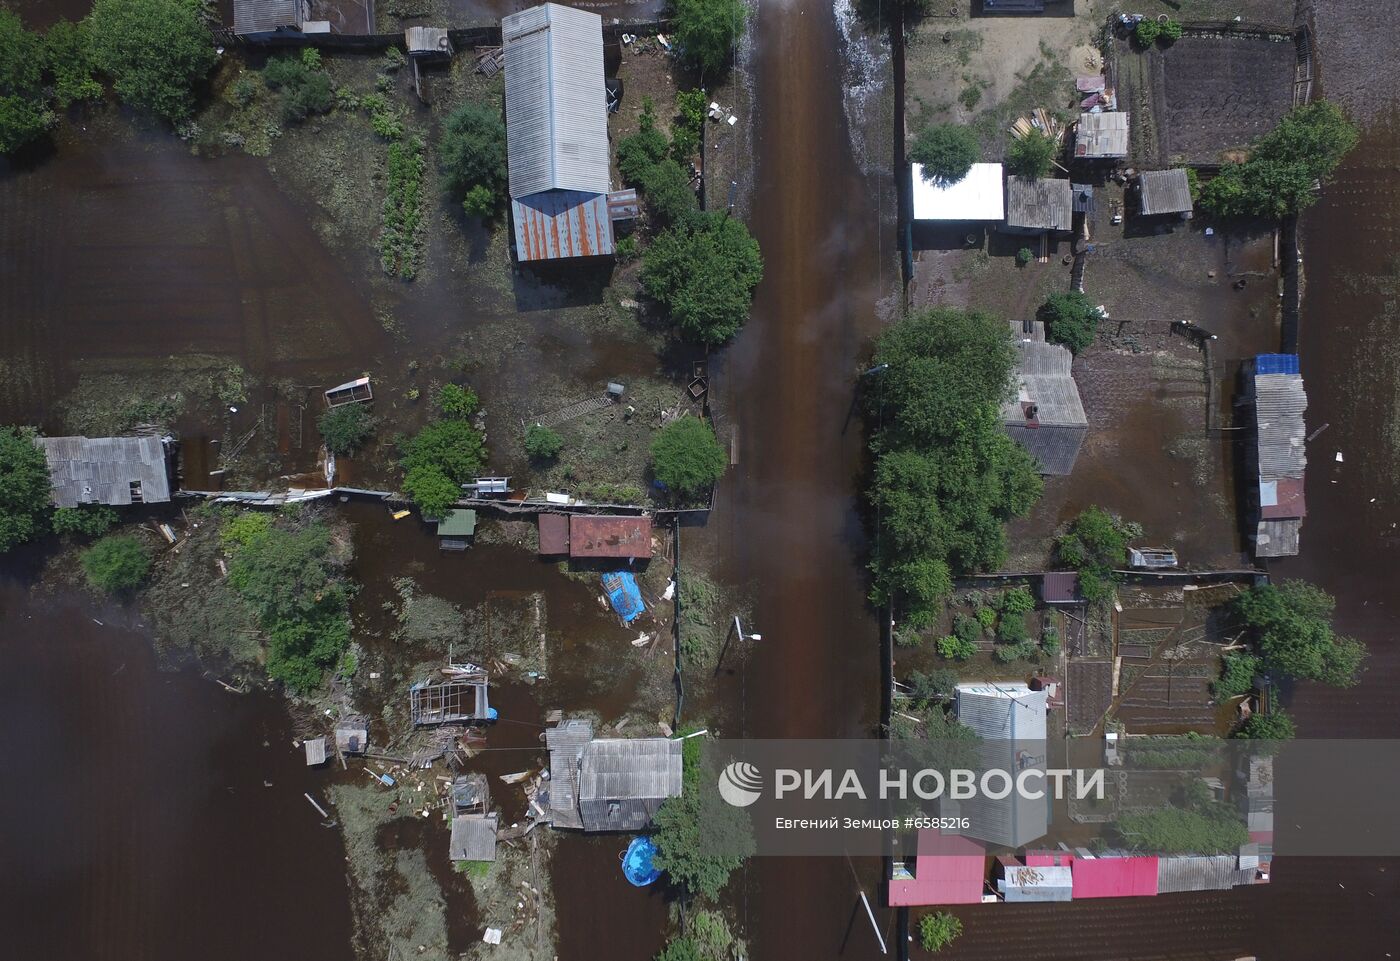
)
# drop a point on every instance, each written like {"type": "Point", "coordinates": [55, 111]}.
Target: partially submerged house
{"type": "Point", "coordinates": [946, 869]}
{"type": "Point", "coordinates": [1164, 192]}
{"type": "Point", "coordinates": [1038, 205]}
{"type": "Point", "coordinates": [266, 19]}
{"type": "Point", "coordinates": [473, 838]}
{"type": "Point", "coordinates": [608, 536]}
{"type": "Point", "coordinates": [554, 534]}
{"type": "Point", "coordinates": [977, 197]}
{"type": "Point", "coordinates": [1101, 136]}
{"type": "Point", "coordinates": [557, 133]}
{"type": "Point", "coordinates": [1046, 416]}
{"type": "Point", "coordinates": [608, 784]}
{"type": "Point", "coordinates": [315, 751]}
{"type": "Point", "coordinates": [1280, 457]}
{"type": "Point", "coordinates": [107, 470]}
{"type": "Point", "coordinates": [1010, 719]}
{"type": "Point", "coordinates": [1060, 587]}
{"type": "Point", "coordinates": [352, 736]}
{"type": "Point", "coordinates": [1018, 882]}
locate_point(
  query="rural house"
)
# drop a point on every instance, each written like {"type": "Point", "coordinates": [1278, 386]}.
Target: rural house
{"type": "Point", "coordinates": [1010, 719]}
{"type": "Point", "coordinates": [608, 784]}
{"type": "Point", "coordinates": [978, 196]}
{"type": "Point", "coordinates": [1280, 458]}
{"type": "Point", "coordinates": [107, 470]}
{"type": "Point", "coordinates": [1045, 416]}
{"type": "Point", "coordinates": [264, 19]}
{"type": "Point", "coordinates": [1036, 205]}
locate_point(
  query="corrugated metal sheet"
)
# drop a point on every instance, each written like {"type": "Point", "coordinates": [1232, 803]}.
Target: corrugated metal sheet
{"type": "Point", "coordinates": [1046, 415]}
{"type": "Point", "coordinates": [1040, 203]}
{"type": "Point", "coordinates": [623, 205]}
{"type": "Point", "coordinates": [554, 534]}
{"type": "Point", "coordinates": [267, 16]}
{"type": "Point", "coordinates": [561, 223]}
{"type": "Point", "coordinates": [1219, 872]}
{"type": "Point", "coordinates": [622, 781]}
{"type": "Point", "coordinates": [1164, 192]}
{"type": "Point", "coordinates": [1039, 883]}
{"type": "Point", "coordinates": [1279, 405]}
{"type": "Point", "coordinates": [1102, 135]}
{"type": "Point", "coordinates": [1114, 877]}
{"type": "Point", "coordinates": [566, 742]}
{"type": "Point", "coordinates": [101, 470]}
{"type": "Point", "coordinates": [556, 105]}
{"type": "Point", "coordinates": [1010, 718]}
{"type": "Point", "coordinates": [1278, 538]}
{"type": "Point", "coordinates": [948, 869]}
{"type": "Point", "coordinates": [1059, 587]}
{"type": "Point", "coordinates": [606, 536]}
{"type": "Point", "coordinates": [473, 838]}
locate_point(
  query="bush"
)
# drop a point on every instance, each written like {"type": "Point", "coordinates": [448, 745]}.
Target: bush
{"type": "Point", "coordinates": [541, 443]}
{"type": "Point", "coordinates": [472, 152]}
{"type": "Point", "coordinates": [625, 249]}
{"type": "Point", "coordinates": [66, 57]}
{"type": "Point", "coordinates": [705, 32]}
{"type": "Point", "coordinates": [480, 202]}
{"type": "Point", "coordinates": [1146, 32]}
{"type": "Point", "coordinates": [702, 271]}
{"type": "Point", "coordinates": [155, 51]}
{"type": "Point", "coordinates": [1215, 830]}
{"type": "Point", "coordinates": [946, 151]}
{"type": "Point", "coordinates": [967, 628]}
{"type": "Point", "coordinates": [242, 529]}
{"type": "Point", "coordinates": [1030, 156]}
{"type": "Point", "coordinates": [908, 638]}
{"type": "Point", "coordinates": [686, 457]}
{"type": "Point", "coordinates": [399, 243]}
{"type": "Point", "coordinates": [635, 154]}
{"type": "Point", "coordinates": [690, 121]}
{"type": "Point", "coordinates": [1011, 629]}
{"type": "Point", "coordinates": [451, 446]}
{"type": "Point", "coordinates": [305, 88]}
{"type": "Point", "coordinates": [1024, 256]}
{"type": "Point", "coordinates": [24, 487]}
{"type": "Point", "coordinates": [87, 521]}
{"type": "Point", "coordinates": [345, 428]}
{"type": "Point", "coordinates": [938, 930]}
{"type": "Point", "coordinates": [986, 619]}
{"type": "Point", "coordinates": [1023, 650]}
{"type": "Point", "coordinates": [1275, 726]}
{"type": "Point", "coordinates": [1070, 319]}
{"type": "Point", "coordinates": [1171, 31]}
{"type": "Point", "coordinates": [1095, 545]}
{"type": "Point", "coordinates": [1292, 625]}
{"type": "Point", "coordinates": [936, 686]}
{"type": "Point", "coordinates": [386, 123]}
{"type": "Point", "coordinates": [116, 564]}
{"type": "Point", "coordinates": [1236, 676]}
{"type": "Point", "coordinates": [457, 403]}
{"type": "Point", "coordinates": [1018, 600]}
{"type": "Point", "coordinates": [956, 648]}
{"type": "Point", "coordinates": [245, 90]}
{"type": "Point", "coordinates": [311, 58]}
{"type": "Point", "coordinates": [1050, 642]}
{"type": "Point", "coordinates": [668, 192]}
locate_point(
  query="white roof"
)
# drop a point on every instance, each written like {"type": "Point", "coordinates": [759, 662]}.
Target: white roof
{"type": "Point", "coordinates": [978, 196]}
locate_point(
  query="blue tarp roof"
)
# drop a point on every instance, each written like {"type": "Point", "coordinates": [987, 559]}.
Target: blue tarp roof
{"type": "Point", "coordinates": [626, 597]}
{"type": "Point", "coordinates": [1276, 364]}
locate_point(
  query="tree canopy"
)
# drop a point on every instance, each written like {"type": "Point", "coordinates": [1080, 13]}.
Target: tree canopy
{"type": "Point", "coordinates": [1274, 726]}
{"type": "Point", "coordinates": [155, 51]}
{"type": "Point", "coordinates": [24, 115]}
{"type": "Point", "coordinates": [1030, 156]}
{"type": "Point", "coordinates": [345, 428]}
{"type": "Point", "coordinates": [472, 152]}
{"type": "Point", "coordinates": [705, 32]}
{"type": "Point", "coordinates": [24, 488]}
{"type": "Point", "coordinates": [700, 839]}
{"type": "Point", "coordinates": [946, 152]}
{"type": "Point", "coordinates": [1095, 545]}
{"type": "Point", "coordinates": [702, 271]}
{"type": "Point", "coordinates": [116, 564]}
{"type": "Point", "coordinates": [1070, 319]}
{"type": "Point", "coordinates": [1292, 625]}
{"type": "Point", "coordinates": [88, 520]}
{"type": "Point", "coordinates": [1284, 166]}
{"type": "Point", "coordinates": [686, 457]}
{"type": "Point", "coordinates": [946, 476]}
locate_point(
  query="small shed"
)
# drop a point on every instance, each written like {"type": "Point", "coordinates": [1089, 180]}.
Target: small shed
{"type": "Point", "coordinates": [623, 205]}
{"type": "Point", "coordinates": [351, 392]}
{"type": "Point", "coordinates": [461, 697]}
{"type": "Point", "coordinates": [554, 534]}
{"type": "Point", "coordinates": [1152, 557]}
{"type": "Point", "coordinates": [948, 869]}
{"type": "Point", "coordinates": [473, 838]}
{"type": "Point", "coordinates": [106, 470]}
{"type": "Point", "coordinates": [609, 536]}
{"type": "Point", "coordinates": [978, 196]}
{"type": "Point", "coordinates": [566, 742]}
{"type": "Point", "coordinates": [1102, 136]}
{"type": "Point", "coordinates": [1164, 192]}
{"type": "Point", "coordinates": [352, 736]}
{"type": "Point", "coordinates": [471, 794]}
{"type": "Point", "coordinates": [1038, 204]}
{"type": "Point", "coordinates": [256, 19]}
{"type": "Point", "coordinates": [428, 43]}
{"type": "Point", "coordinates": [315, 751]}
{"type": "Point", "coordinates": [456, 529]}
{"type": "Point", "coordinates": [1060, 587]}
{"type": "Point", "coordinates": [1020, 882]}
{"type": "Point", "coordinates": [622, 781]}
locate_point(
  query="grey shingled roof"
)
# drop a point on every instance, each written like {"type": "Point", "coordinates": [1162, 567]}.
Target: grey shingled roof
{"type": "Point", "coordinates": [1043, 379]}
{"type": "Point", "coordinates": [1041, 203]}
{"type": "Point", "coordinates": [566, 742]}
{"type": "Point", "coordinates": [100, 470]}
{"type": "Point", "coordinates": [1199, 873]}
{"type": "Point", "coordinates": [266, 16]}
{"type": "Point", "coordinates": [1164, 192]}
{"type": "Point", "coordinates": [556, 106]}
{"type": "Point", "coordinates": [473, 838]}
{"type": "Point", "coordinates": [622, 781]}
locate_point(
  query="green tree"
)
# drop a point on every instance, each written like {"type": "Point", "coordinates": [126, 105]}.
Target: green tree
{"type": "Point", "coordinates": [345, 428]}
{"type": "Point", "coordinates": [935, 687]}
{"type": "Point", "coordinates": [938, 930]}
{"type": "Point", "coordinates": [541, 443]}
{"type": "Point", "coordinates": [1146, 32]}
{"type": "Point", "coordinates": [1236, 676]}
{"type": "Point", "coordinates": [1275, 726]}
{"type": "Point", "coordinates": [155, 51]}
{"type": "Point", "coordinates": [700, 839]}
{"type": "Point", "coordinates": [680, 949]}
{"type": "Point", "coordinates": [457, 402]}
{"type": "Point", "coordinates": [24, 116]}
{"type": "Point", "coordinates": [89, 520]}
{"type": "Point", "coordinates": [946, 152]}
{"type": "Point", "coordinates": [1070, 319]}
{"type": "Point", "coordinates": [1095, 545]}
{"type": "Point", "coordinates": [66, 57]}
{"type": "Point", "coordinates": [472, 153]}
{"type": "Point", "coordinates": [452, 446]}
{"type": "Point", "coordinates": [1030, 156]}
{"type": "Point", "coordinates": [1292, 626]}
{"type": "Point", "coordinates": [668, 192]}
{"type": "Point", "coordinates": [706, 31]}
{"type": "Point", "coordinates": [432, 490]}
{"type": "Point", "coordinates": [702, 271]}
{"type": "Point", "coordinates": [24, 487]}
{"type": "Point", "coordinates": [686, 456]}
{"type": "Point", "coordinates": [116, 564]}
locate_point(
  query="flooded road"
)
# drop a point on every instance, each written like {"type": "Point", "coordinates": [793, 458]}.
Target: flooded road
{"type": "Point", "coordinates": [149, 814]}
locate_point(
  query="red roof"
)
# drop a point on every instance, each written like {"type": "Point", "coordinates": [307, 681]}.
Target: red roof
{"type": "Point", "coordinates": [554, 534]}
{"type": "Point", "coordinates": [949, 869]}
{"type": "Point", "coordinates": [602, 536]}
{"type": "Point", "coordinates": [1291, 502]}
{"type": "Point", "coordinates": [1059, 587]}
{"type": "Point", "coordinates": [1111, 877]}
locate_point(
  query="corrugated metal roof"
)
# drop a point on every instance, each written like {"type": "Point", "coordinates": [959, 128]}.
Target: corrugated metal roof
{"type": "Point", "coordinates": [977, 196]}
{"type": "Point", "coordinates": [1102, 135]}
{"type": "Point", "coordinates": [1199, 873]}
{"type": "Point", "coordinates": [1114, 877]}
{"type": "Point", "coordinates": [566, 742]}
{"type": "Point", "coordinates": [1164, 192]}
{"type": "Point", "coordinates": [267, 16]}
{"type": "Point", "coordinates": [457, 523]}
{"type": "Point", "coordinates": [1040, 883]}
{"type": "Point", "coordinates": [1278, 538]}
{"type": "Point", "coordinates": [561, 223]}
{"type": "Point", "coordinates": [1059, 587]}
{"type": "Point", "coordinates": [1046, 415]}
{"type": "Point", "coordinates": [593, 535]}
{"type": "Point", "coordinates": [556, 105]}
{"type": "Point", "coordinates": [473, 838]}
{"type": "Point", "coordinates": [948, 869]}
{"type": "Point", "coordinates": [1041, 203]}
{"type": "Point", "coordinates": [101, 470]}
{"type": "Point", "coordinates": [554, 534]}
{"type": "Point", "coordinates": [1010, 718]}
{"type": "Point", "coordinates": [622, 781]}
{"type": "Point", "coordinates": [1279, 405]}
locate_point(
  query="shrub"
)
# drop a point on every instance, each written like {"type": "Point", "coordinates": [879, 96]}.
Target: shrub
{"type": "Point", "coordinates": [22, 120]}
{"type": "Point", "coordinates": [986, 618]}
{"type": "Point", "coordinates": [967, 628]}
{"type": "Point", "coordinates": [1070, 319]}
{"type": "Point", "coordinates": [245, 90]}
{"type": "Point", "coordinates": [456, 402]}
{"type": "Point", "coordinates": [935, 686]}
{"type": "Point", "coordinates": [1236, 675]}
{"type": "Point", "coordinates": [386, 123]}
{"type": "Point", "coordinates": [938, 930]}
{"type": "Point", "coordinates": [705, 32]}
{"type": "Point", "coordinates": [702, 270]}
{"type": "Point", "coordinates": [24, 487]}
{"type": "Point", "coordinates": [1215, 830]}
{"type": "Point", "coordinates": [155, 51]}
{"type": "Point", "coordinates": [399, 243]}
{"type": "Point", "coordinates": [686, 457]}
{"type": "Point", "coordinates": [1018, 600]}
{"type": "Point", "coordinates": [1024, 650]}
{"type": "Point", "coordinates": [480, 201]}
{"type": "Point", "coordinates": [1024, 256]}
{"type": "Point", "coordinates": [541, 443]}
{"type": "Point", "coordinates": [1171, 31]}
{"type": "Point", "coordinates": [680, 949]}
{"type": "Point", "coordinates": [668, 192]}
{"type": "Point", "coordinates": [88, 520]}
{"type": "Point", "coordinates": [305, 89]}
{"type": "Point", "coordinates": [1030, 156]}
{"type": "Point", "coordinates": [284, 73]}
{"type": "Point", "coordinates": [452, 446]}
{"type": "Point", "coordinates": [711, 935]}
{"type": "Point", "coordinates": [1050, 641]}
{"type": "Point", "coordinates": [1095, 545]}
{"type": "Point", "coordinates": [1146, 32]}
{"type": "Point", "coordinates": [1011, 629]}
{"type": "Point", "coordinates": [956, 648]}
{"type": "Point", "coordinates": [116, 564]}
{"type": "Point", "coordinates": [394, 59]}
{"type": "Point", "coordinates": [635, 154]}
{"type": "Point", "coordinates": [625, 249]}
{"type": "Point", "coordinates": [1275, 726]}
{"type": "Point", "coordinates": [472, 152]}
{"type": "Point", "coordinates": [908, 638]}
{"type": "Point", "coordinates": [242, 529]}
{"type": "Point", "coordinates": [345, 428]}
{"type": "Point", "coordinates": [946, 151]}
{"type": "Point", "coordinates": [311, 58]}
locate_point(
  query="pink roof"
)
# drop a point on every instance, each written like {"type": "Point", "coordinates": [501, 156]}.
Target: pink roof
{"type": "Point", "coordinates": [1111, 877]}
{"type": "Point", "coordinates": [1049, 859]}
{"type": "Point", "coordinates": [949, 869]}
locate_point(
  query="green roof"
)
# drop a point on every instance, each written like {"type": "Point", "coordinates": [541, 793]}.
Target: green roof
{"type": "Point", "coordinates": [457, 524]}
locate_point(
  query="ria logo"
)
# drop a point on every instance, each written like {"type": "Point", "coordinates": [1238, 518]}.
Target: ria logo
{"type": "Point", "coordinates": [740, 784]}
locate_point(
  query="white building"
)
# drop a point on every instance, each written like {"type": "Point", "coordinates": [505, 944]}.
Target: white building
{"type": "Point", "coordinates": [1010, 718]}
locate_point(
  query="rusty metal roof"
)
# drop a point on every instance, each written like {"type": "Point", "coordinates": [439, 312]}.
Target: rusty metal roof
{"type": "Point", "coordinates": [608, 536]}
{"type": "Point", "coordinates": [558, 224]}
{"type": "Point", "coordinates": [554, 534]}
